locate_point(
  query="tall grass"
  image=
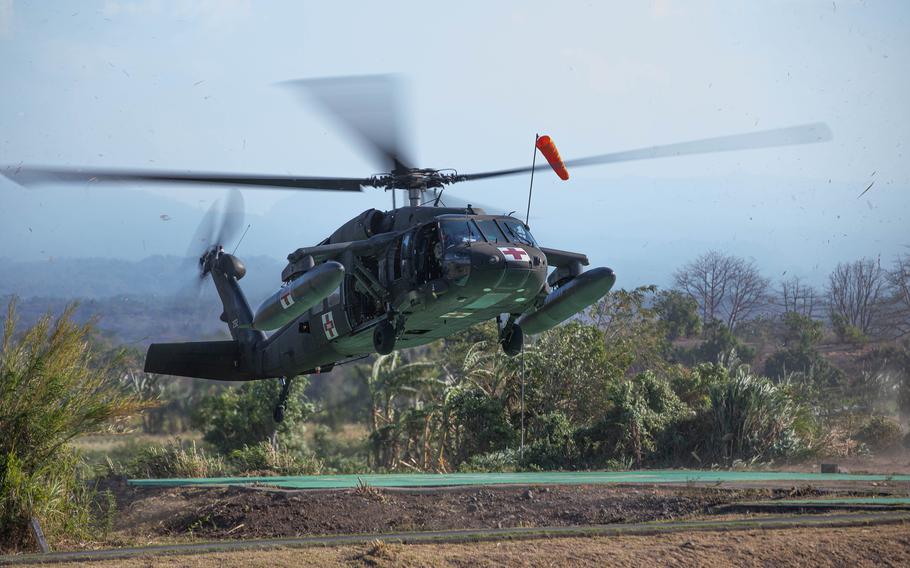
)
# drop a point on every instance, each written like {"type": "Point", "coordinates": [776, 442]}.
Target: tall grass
{"type": "Point", "coordinates": [752, 419]}
{"type": "Point", "coordinates": [51, 390]}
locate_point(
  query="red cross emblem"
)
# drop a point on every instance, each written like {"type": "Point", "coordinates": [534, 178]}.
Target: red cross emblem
{"type": "Point", "coordinates": [328, 326]}
{"type": "Point", "coordinates": [515, 254]}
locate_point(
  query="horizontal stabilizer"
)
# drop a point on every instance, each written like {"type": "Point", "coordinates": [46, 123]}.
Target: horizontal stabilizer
{"type": "Point", "coordinates": [219, 360]}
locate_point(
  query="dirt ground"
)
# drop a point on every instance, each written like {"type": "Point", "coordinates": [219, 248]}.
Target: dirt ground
{"type": "Point", "coordinates": [887, 545]}
{"type": "Point", "coordinates": [156, 514]}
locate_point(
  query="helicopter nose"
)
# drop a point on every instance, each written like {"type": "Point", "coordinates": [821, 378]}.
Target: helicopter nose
{"type": "Point", "coordinates": [491, 267]}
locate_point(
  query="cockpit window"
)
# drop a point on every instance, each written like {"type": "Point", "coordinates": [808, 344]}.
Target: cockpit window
{"type": "Point", "coordinates": [458, 232]}
{"type": "Point", "coordinates": [491, 231]}
{"type": "Point", "coordinates": [518, 232]}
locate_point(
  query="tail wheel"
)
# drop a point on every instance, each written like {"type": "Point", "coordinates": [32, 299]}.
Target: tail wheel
{"type": "Point", "coordinates": [384, 338]}
{"type": "Point", "coordinates": [512, 340]}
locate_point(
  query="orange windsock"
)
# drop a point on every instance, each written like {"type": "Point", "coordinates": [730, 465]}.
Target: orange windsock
{"type": "Point", "coordinates": [548, 149]}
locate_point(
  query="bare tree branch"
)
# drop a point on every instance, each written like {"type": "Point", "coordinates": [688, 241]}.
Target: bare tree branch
{"type": "Point", "coordinates": [856, 293]}
{"type": "Point", "coordinates": [727, 288]}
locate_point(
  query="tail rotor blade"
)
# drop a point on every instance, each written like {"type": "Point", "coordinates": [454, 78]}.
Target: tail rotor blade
{"type": "Point", "coordinates": [205, 233]}
{"type": "Point", "coordinates": [231, 219]}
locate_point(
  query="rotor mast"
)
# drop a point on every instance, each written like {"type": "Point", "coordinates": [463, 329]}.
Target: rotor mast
{"type": "Point", "coordinates": [415, 194]}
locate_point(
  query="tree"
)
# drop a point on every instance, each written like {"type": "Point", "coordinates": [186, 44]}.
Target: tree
{"type": "Point", "coordinates": [242, 416]}
{"type": "Point", "coordinates": [705, 279]}
{"type": "Point", "coordinates": [51, 390]}
{"type": "Point", "coordinates": [720, 346]}
{"type": "Point", "coordinates": [796, 296]}
{"type": "Point", "coordinates": [748, 291]}
{"type": "Point", "coordinates": [633, 333]}
{"type": "Point", "coordinates": [726, 287]}
{"type": "Point", "coordinates": [856, 292]}
{"type": "Point", "coordinates": [678, 313]}
{"type": "Point", "coordinates": [899, 288]}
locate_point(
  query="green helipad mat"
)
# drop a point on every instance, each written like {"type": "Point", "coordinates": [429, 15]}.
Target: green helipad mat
{"type": "Point", "coordinates": [848, 501]}
{"type": "Point", "coordinates": [677, 476]}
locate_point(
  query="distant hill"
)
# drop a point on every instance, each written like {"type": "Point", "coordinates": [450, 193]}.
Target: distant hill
{"type": "Point", "coordinates": [153, 299]}
{"type": "Point", "coordinates": [96, 278]}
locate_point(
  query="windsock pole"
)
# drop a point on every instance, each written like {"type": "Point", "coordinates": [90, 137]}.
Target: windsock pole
{"type": "Point", "coordinates": [531, 189]}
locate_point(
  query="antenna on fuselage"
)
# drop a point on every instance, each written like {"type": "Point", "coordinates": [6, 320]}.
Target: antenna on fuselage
{"type": "Point", "coordinates": [531, 188]}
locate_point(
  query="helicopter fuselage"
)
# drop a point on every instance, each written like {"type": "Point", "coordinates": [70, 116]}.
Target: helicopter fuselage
{"type": "Point", "coordinates": [384, 281]}
{"type": "Point", "coordinates": [438, 276]}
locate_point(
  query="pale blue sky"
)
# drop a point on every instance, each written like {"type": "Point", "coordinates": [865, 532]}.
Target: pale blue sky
{"type": "Point", "coordinates": [192, 85]}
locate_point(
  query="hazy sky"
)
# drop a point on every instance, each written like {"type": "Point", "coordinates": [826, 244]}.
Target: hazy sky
{"type": "Point", "coordinates": [193, 85]}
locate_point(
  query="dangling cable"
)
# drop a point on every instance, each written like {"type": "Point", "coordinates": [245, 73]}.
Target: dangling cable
{"type": "Point", "coordinates": [521, 451]}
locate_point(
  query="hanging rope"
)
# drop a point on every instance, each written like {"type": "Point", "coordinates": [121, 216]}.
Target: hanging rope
{"type": "Point", "coordinates": [522, 447]}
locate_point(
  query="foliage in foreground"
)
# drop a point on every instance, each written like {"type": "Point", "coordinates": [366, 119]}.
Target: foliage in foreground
{"type": "Point", "coordinates": [179, 459]}
{"type": "Point", "coordinates": [242, 416]}
{"type": "Point", "coordinates": [51, 390]}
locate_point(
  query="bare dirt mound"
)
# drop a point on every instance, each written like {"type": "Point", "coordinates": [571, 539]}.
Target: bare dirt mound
{"type": "Point", "coordinates": [237, 512]}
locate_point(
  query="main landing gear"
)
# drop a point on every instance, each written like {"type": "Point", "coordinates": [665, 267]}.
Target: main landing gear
{"type": "Point", "coordinates": [282, 400]}
{"type": "Point", "coordinates": [511, 338]}
{"type": "Point", "coordinates": [384, 338]}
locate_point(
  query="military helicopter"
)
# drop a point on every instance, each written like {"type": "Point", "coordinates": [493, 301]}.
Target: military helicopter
{"type": "Point", "coordinates": [389, 279]}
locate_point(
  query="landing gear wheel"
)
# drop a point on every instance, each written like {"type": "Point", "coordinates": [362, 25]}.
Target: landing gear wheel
{"type": "Point", "coordinates": [512, 341]}
{"type": "Point", "coordinates": [384, 338]}
{"type": "Point", "coordinates": [278, 415]}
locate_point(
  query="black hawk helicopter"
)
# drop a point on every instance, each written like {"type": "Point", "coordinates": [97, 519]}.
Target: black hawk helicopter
{"type": "Point", "coordinates": [388, 279]}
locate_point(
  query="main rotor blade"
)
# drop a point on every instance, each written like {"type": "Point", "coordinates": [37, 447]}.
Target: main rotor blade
{"type": "Point", "coordinates": [37, 175]}
{"type": "Point", "coordinates": [369, 107]}
{"type": "Point", "coordinates": [802, 134]}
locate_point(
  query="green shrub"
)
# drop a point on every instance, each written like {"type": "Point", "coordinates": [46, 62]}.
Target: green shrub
{"type": "Point", "coordinates": [801, 330]}
{"type": "Point", "coordinates": [264, 459]}
{"type": "Point", "coordinates": [483, 425]}
{"type": "Point", "coordinates": [552, 445]}
{"type": "Point", "coordinates": [242, 416]}
{"type": "Point", "coordinates": [808, 363]}
{"type": "Point", "coordinates": [52, 389]}
{"type": "Point", "coordinates": [879, 433]}
{"type": "Point", "coordinates": [720, 346]}
{"type": "Point", "coordinates": [504, 461]}
{"type": "Point", "coordinates": [845, 332]}
{"type": "Point", "coordinates": [640, 409]}
{"type": "Point", "coordinates": [678, 312]}
{"type": "Point", "coordinates": [752, 419]}
{"type": "Point", "coordinates": [691, 384]}
{"type": "Point", "coordinates": [173, 460]}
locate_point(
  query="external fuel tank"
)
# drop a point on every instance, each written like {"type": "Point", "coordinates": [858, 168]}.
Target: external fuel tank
{"type": "Point", "coordinates": [298, 295]}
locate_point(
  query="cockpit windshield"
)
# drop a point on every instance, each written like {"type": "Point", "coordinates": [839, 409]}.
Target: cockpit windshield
{"type": "Point", "coordinates": [458, 232]}
{"type": "Point", "coordinates": [517, 232]}
{"type": "Point", "coordinates": [491, 231]}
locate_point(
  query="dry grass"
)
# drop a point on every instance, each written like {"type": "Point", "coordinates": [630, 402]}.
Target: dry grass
{"type": "Point", "coordinates": [107, 443]}
{"type": "Point", "coordinates": [887, 545]}
{"type": "Point", "coordinates": [367, 491]}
